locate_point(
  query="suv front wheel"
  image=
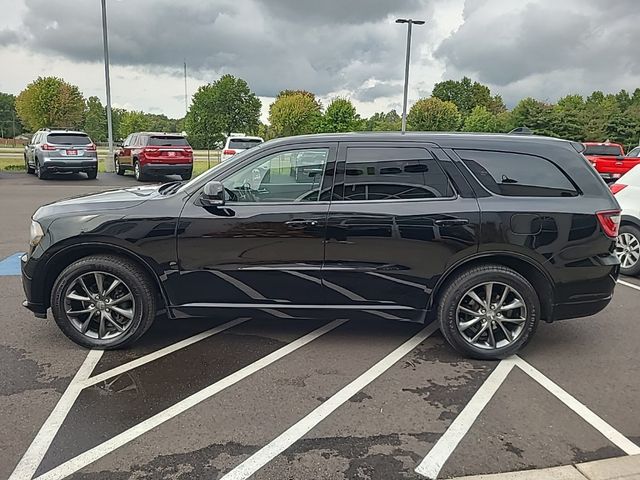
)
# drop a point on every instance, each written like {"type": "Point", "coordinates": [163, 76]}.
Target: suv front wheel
{"type": "Point", "coordinates": [103, 301]}
{"type": "Point", "coordinates": [41, 173]}
{"type": "Point", "coordinates": [488, 312]}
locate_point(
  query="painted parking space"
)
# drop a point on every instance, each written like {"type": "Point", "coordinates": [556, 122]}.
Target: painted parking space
{"type": "Point", "coordinates": [10, 265]}
{"type": "Point", "coordinates": [261, 398]}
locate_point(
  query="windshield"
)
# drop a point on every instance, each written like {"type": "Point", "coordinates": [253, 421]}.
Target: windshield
{"type": "Point", "coordinates": [243, 143]}
{"type": "Point", "coordinates": [604, 150]}
{"type": "Point", "coordinates": [68, 139]}
{"type": "Point", "coordinates": [167, 141]}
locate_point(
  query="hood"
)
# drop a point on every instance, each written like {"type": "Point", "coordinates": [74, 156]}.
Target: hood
{"type": "Point", "coordinates": [99, 202]}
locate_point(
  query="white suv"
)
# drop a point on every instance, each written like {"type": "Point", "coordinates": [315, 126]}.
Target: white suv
{"type": "Point", "coordinates": [627, 192]}
{"type": "Point", "coordinates": [237, 143]}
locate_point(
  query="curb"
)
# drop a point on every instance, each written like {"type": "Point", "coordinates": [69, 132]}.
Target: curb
{"type": "Point", "coordinates": [619, 468]}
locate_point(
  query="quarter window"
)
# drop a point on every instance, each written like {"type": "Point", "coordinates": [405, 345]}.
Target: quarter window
{"type": "Point", "coordinates": [517, 174]}
{"type": "Point", "coordinates": [291, 176]}
{"type": "Point", "coordinates": [392, 173]}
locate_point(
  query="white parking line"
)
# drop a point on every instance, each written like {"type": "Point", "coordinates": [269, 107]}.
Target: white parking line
{"type": "Point", "coordinates": [125, 367]}
{"type": "Point", "coordinates": [627, 284]}
{"type": "Point", "coordinates": [99, 451]}
{"type": "Point", "coordinates": [432, 464]}
{"type": "Point", "coordinates": [267, 453]}
{"type": "Point", "coordinates": [614, 436]}
{"type": "Point", "coordinates": [35, 453]}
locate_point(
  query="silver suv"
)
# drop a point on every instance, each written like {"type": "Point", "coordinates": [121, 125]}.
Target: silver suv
{"type": "Point", "coordinates": [61, 151]}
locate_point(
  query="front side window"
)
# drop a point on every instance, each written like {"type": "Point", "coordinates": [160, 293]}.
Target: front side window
{"type": "Point", "coordinates": [517, 174]}
{"type": "Point", "coordinates": [279, 177]}
{"type": "Point", "coordinates": [392, 173]}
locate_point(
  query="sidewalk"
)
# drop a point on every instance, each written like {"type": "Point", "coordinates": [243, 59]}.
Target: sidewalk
{"type": "Point", "coordinates": [620, 468]}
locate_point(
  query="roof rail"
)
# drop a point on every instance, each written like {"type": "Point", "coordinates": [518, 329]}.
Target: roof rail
{"type": "Point", "coordinates": [521, 131]}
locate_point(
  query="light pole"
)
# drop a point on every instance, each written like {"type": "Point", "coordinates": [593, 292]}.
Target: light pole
{"type": "Point", "coordinates": [410, 22]}
{"type": "Point", "coordinates": [109, 164]}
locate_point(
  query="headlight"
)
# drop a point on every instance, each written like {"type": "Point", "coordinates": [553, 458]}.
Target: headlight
{"type": "Point", "coordinates": [35, 233]}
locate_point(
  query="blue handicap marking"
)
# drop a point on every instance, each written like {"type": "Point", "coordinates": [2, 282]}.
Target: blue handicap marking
{"type": "Point", "coordinates": [10, 265]}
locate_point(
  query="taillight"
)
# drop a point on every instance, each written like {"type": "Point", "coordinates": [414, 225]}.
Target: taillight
{"type": "Point", "coordinates": [152, 152]}
{"type": "Point", "coordinates": [228, 152]}
{"type": "Point", "coordinates": [46, 146]}
{"type": "Point", "coordinates": [616, 187]}
{"type": "Point", "coordinates": [90, 148]}
{"type": "Point", "coordinates": [610, 222]}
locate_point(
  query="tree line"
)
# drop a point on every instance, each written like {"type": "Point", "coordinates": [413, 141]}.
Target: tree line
{"type": "Point", "coordinates": [228, 105]}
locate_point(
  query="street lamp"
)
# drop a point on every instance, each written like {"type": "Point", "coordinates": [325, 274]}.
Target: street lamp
{"type": "Point", "coordinates": [110, 166]}
{"type": "Point", "coordinates": [410, 22]}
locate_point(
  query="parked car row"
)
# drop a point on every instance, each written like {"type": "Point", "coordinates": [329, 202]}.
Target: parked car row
{"type": "Point", "coordinates": [627, 192]}
{"type": "Point", "coordinates": [52, 151]}
{"type": "Point", "coordinates": [609, 159]}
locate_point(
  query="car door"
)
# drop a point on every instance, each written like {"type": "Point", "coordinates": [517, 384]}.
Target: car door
{"type": "Point", "coordinates": [264, 248]}
{"type": "Point", "coordinates": [396, 223]}
{"type": "Point", "coordinates": [124, 152]}
{"type": "Point", "coordinates": [31, 148]}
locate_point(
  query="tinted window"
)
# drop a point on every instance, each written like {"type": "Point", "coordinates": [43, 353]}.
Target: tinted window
{"type": "Point", "coordinates": [604, 150]}
{"type": "Point", "coordinates": [167, 141]}
{"type": "Point", "coordinates": [634, 153]}
{"type": "Point", "coordinates": [68, 139]}
{"type": "Point", "coordinates": [243, 143]}
{"type": "Point", "coordinates": [392, 173]}
{"type": "Point", "coordinates": [278, 178]}
{"type": "Point", "coordinates": [517, 175]}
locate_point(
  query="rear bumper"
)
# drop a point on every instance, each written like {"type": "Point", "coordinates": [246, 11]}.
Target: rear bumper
{"type": "Point", "coordinates": [70, 165]}
{"type": "Point", "coordinates": [165, 168]}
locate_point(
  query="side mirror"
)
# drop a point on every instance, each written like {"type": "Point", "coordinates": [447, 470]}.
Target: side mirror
{"type": "Point", "coordinates": [212, 194]}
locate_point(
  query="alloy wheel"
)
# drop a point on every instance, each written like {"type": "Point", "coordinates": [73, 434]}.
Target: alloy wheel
{"type": "Point", "coordinates": [100, 305]}
{"type": "Point", "coordinates": [491, 315]}
{"type": "Point", "coordinates": [628, 249]}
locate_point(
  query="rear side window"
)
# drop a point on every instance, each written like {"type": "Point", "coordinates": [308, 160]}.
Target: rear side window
{"type": "Point", "coordinates": [392, 173]}
{"type": "Point", "coordinates": [634, 153]}
{"type": "Point", "coordinates": [243, 143]}
{"type": "Point", "coordinates": [517, 174]}
{"type": "Point", "coordinates": [68, 139]}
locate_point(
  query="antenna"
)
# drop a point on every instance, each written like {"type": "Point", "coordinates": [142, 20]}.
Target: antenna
{"type": "Point", "coordinates": [186, 102]}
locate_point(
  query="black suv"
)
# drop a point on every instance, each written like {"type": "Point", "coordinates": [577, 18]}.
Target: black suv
{"type": "Point", "coordinates": [486, 234]}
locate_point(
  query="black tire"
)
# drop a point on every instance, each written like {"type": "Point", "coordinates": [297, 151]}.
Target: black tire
{"type": "Point", "coordinates": [41, 173]}
{"type": "Point", "coordinates": [137, 171]}
{"type": "Point", "coordinates": [30, 170]}
{"type": "Point", "coordinates": [92, 174]}
{"type": "Point", "coordinates": [135, 279]}
{"type": "Point", "coordinates": [186, 176]}
{"type": "Point", "coordinates": [456, 289]}
{"type": "Point", "coordinates": [119, 169]}
{"type": "Point", "coordinates": [633, 232]}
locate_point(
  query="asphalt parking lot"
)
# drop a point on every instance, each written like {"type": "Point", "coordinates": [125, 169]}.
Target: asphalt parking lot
{"type": "Point", "coordinates": [250, 397]}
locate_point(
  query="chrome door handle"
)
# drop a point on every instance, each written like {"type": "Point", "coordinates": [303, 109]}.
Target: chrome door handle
{"type": "Point", "coordinates": [451, 222]}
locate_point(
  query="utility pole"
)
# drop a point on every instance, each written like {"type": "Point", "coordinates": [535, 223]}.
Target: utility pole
{"type": "Point", "coordinates": [110, 166]}
{"type": "Point", "coordinates": [410, 22]}
{"type": "Point", "coordinates": [186, 102]}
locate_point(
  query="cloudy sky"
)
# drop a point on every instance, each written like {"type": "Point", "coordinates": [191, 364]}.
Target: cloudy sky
{"type": "Point", "coordinates": [352, 48]}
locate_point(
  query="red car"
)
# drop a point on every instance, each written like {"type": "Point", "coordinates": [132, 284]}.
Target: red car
{"type": "Point", "coordinates": [148, 153]}
{"type": "Point", "coordinates": [609, 159]}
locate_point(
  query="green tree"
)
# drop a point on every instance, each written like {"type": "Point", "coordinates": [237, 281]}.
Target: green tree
{"type": "Point", "coordinates": [624, 128]}
{"type": "Point", "coordinates": [534, 114]}
{"type": "Point", "coordinates": [134, 121]}
{"type": "Point", "coordinates": [10, 125]}
{"type": "Point", "coordinates": [481, 120]}
{"type": "Point", "coordinates": [433, 114]}
{"type": "Point", "coordinates": [467, 95]}
{"type": "Point", "coordinates": [383, 122]}
{"type": "Point", "coordinates": [295, 113]}
{"type": "Point", "coordinates": [220, 108]}
{"type": "Point", "coordinates": [95, 120]}
{"type": "Point", "coordinates": [50, 102]}
{"type": "Point", "coordinates": [567, 118]}
{"type": "Point", "coordinates": [341, 116]}
{"type": "Point", "coordinates": [598, 110]}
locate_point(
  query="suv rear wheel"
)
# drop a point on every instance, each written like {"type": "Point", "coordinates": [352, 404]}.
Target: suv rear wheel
{"type": "Point", "coordinates": [488, 312]}
{"type": "Point", "coordinates": [628, 250]}
{"type": "Point", "coordinates": [103, 301]}
{"type": "Point", "coordinates": [137, 171]}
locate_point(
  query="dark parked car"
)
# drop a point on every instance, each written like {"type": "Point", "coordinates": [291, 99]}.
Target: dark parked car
{"type": "Point", "coordinates": [148, 153]}
{"type": "Point", "coordinates": [486, 234]}
{"type": "Point", "coordinates": [60, 151]}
